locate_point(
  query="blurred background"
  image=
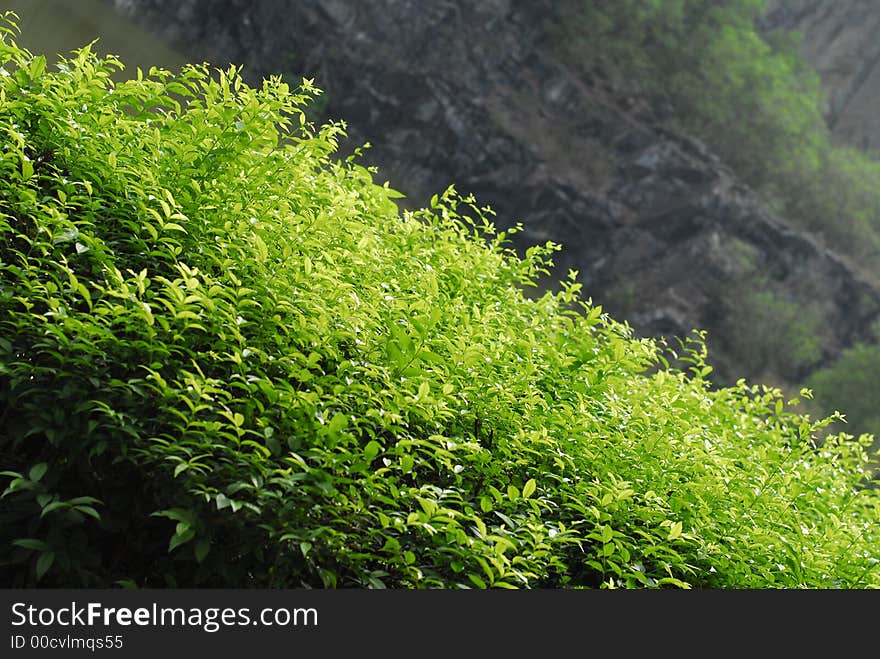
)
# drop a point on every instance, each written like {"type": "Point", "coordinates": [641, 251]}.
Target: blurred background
{"type": "Point", "coordinates": [705, 164]}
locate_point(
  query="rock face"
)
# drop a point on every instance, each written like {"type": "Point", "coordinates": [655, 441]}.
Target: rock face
{"type": "Point", "coordinates": [472, 92]}
{"type": "Point", "coordinates": [840, 41]}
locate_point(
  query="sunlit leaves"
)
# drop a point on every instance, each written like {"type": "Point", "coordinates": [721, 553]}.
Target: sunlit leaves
{"type": "Point", "coordinates": [260, 374]}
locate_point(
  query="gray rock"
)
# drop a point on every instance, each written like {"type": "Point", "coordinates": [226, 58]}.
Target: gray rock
{"type": "Point", "coordinates": [840, 40]}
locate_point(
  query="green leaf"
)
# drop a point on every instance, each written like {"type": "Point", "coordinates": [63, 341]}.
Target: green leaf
{"type": "Point", "coordinates": [54, 506]}
{"type": "Point", "coordinates": [476, 580]}
{"type": "Point", "coordinates": [529, 488]}
{"type": "Point", "coordinates": [273, 444]}
{"type": "Point", "coordinates": [37, 67]}
{"type": "Point", "coordinates": [672, 581]}
{"type": "Point", "coordinates": [430, 507]}
{"type": "Point", "coordinates": [328, 578]}
{"type": "Point", "coordinates": [44, 562]}
{"type": "Point", "coordinates": [38, 471]}
{"type": "Point", "coordinates": [261, 249]}
{"type": "Point", "coordinates": [177, 514]}
{"type": "Point", "coordinates": [424, 390]}
{"type": "Point", "coordinates": [88, 510]}
{"type": "Point", "coordinates": [394, 194]}
{"type": "Point", "coordinates": [17, 485]}
{"type": "Point", "coordinates": [181, 538]}
{"type": "Point", "coordinates": [81, 500]}
{"type": "Point", "coordinates": [371, 450]}
{"type": "Point", "coordinates": [483, 564]}
{"type": "Point", "coordinates": [201, 549]}
{"type": "Point", "coordinates": [674, 531]}
{"type": "Point", "coordinates": [127, 584]}
{"type": "Point", "coordinates": [32, 543]}
{"type": "Point", "coordinates": [337, 423]}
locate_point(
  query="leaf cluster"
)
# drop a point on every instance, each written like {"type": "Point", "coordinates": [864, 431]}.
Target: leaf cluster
{"type": "Point", "coordinates": [227, 359]}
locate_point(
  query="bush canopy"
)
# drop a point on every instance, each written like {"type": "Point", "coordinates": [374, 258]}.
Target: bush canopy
{"type": "Point", "coordinates": [228, 359]}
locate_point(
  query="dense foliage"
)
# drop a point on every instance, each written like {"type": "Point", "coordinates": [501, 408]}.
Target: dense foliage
{"type": "Point", "coordinates": [851, 384]}
{"type": "Point", "coordinates": [226, 359]}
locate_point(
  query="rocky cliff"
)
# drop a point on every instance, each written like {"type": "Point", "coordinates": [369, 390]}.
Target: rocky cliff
{"type": "Point", "coordinates": [840, 41]}
{"type": "Point", "coordinates": [473, 93]}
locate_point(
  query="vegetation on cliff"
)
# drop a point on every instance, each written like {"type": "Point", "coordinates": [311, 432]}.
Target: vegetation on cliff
{"type": "Point", "coordinates": [226, 359]}
{"type": "Point", "coordinates": [752, 98]}
{"type": "Point", "coordinates": [755, 101]}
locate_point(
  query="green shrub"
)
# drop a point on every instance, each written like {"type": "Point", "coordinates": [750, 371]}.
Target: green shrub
{"type": "Point", "coordinates": [851, 386]}
{"type": "Point", "coordinates": [226, 359]}
{"type": "Point", "coordinates": [776, 335]}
